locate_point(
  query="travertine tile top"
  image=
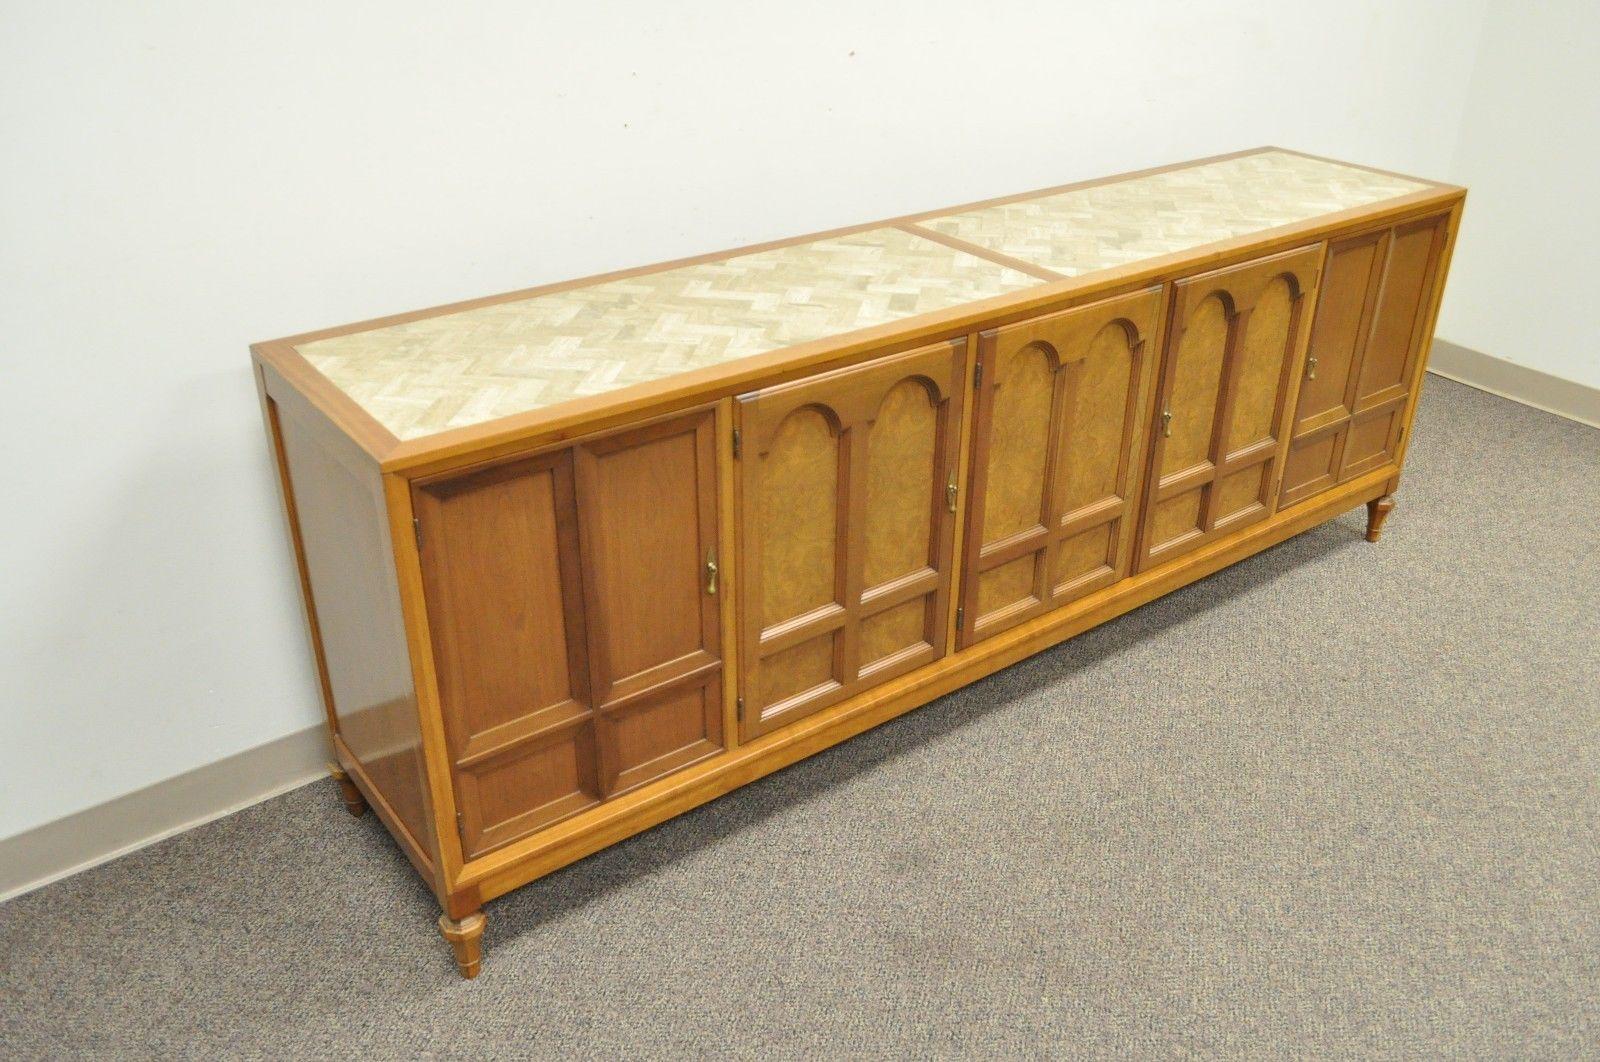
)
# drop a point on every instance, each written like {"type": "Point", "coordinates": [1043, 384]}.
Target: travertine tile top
{"type": "Point", "coordinates": [1077, 232]}
{"type": "Point", "coordinates": [478, 365]}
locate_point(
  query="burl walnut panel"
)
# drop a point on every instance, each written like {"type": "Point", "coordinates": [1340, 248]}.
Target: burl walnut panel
{"type": "Point", "coordinates": [846, 525]}
{"type": "Point", "coordinates": [1058, 445]}
{"type": "Point", "coordinates": [1235, 339]}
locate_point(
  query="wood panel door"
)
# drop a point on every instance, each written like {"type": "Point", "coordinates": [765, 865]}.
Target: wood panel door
{"type": "Point", "coordinates": [847, 500]}
{"type": "Point", "coordinates": [1234, 343]}
{"type": "Point", "coordinates": [1365, 349]}
{"type": "Point", "coordinates": [576, 641]}
{"type": "Point", "coordinates": [1058, 448]}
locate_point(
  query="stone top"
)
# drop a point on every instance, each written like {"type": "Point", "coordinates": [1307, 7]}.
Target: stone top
{"type": "Point", "coordinates": [476, 365]}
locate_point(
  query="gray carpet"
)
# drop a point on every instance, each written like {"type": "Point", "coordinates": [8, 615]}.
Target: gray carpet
{"type": "Point", "coordinates": [1340, 799]}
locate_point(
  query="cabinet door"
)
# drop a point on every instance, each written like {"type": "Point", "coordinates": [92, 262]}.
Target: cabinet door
{"type": "Point", "coordinates": [576, 642]}
{"type": "Point", "coordinates": [1058, 445]}
{"type": "Point", "coordinates": [1363, 356]}
{"type": "Point", "coordinates": [1235, 341]}
{"type": "Point", "coordinates": [846, 512]}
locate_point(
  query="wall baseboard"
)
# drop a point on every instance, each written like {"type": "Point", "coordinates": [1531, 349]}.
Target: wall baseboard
{"type": "Point", "coordinates": [102, 833]}
{"type": "Point", "coordinates": [1564, 398]}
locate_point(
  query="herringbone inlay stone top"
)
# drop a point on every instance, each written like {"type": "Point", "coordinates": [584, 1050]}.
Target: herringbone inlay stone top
{"type": "Point", "coordinates": [1107, 225]}
{"type": "Point", "coordinates": [477, 365]}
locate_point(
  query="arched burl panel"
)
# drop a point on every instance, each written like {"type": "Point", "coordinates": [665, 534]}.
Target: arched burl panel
{"type": "Point", "coordinates": [845, 530]}
{"type": "Point", "coordinates": [1057, 449]}
{"type": "Point", "coordinates": [1235, 339]}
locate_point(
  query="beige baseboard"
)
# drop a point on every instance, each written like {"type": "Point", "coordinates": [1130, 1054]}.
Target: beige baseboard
{"type": "Point", "coordinates": [100, 834]}
{"type": "Point", "coordinates": [1564, 398]}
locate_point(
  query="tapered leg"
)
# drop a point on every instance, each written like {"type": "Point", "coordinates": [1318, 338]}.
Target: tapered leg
{"type": "Point", "coordinates": [354, 802]}
{"type": "Point", "coordinates": [1378, 510]}
{"type": "Point", "coordinates": [466, 938]}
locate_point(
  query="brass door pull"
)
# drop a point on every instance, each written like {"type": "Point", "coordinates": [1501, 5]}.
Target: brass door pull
{"type": "Point", "coordinates": [1166, 423]}
{"type": "Point", "coordinates": [950, 492]}
{"type": "Point", "coordinates": [711, 572]}
{"type": "Point", "coordinates": [1311, 368]}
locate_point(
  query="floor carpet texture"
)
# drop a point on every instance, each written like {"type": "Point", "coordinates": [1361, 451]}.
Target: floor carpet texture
{"type": "Point", "coordinates": [1338, 800]}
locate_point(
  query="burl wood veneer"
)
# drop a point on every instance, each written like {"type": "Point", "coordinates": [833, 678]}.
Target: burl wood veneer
{"type": "Point", "coordinates": [580, 558]}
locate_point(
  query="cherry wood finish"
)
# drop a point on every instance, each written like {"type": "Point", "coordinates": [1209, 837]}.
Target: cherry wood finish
{"type": "Point", "coordinates": [846, 513]}
{"type": "Point", "coordinates": [1372, 324]}
{"type": "Point", "coordinates": [1233, 347]}
{"type": "Point", "coordinates": [577, 636]}
{"type": "Point", "coordinates": [520, 628]}
{"type": "Point", "coordinates": [1058, 451]}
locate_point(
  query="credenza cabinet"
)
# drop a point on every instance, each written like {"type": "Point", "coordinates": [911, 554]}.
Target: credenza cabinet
{"type": "Point", "coordinates": [557, 594]}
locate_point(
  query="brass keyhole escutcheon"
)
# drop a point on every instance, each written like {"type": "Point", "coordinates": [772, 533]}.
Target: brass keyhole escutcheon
{"type": "Point", "coordinates": [1166, 423]}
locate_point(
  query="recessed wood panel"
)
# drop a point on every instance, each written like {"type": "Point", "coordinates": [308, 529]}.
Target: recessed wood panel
{"type": "Point", "coordinates": [1263, 360]}
{"type": "Point", "coordinates": [514, 795]}
{"type": "Point", "coordinates": [504, 597]}
{"type": "Point", "coordinates": [1007, 585]}
{"type": "Point", "coordinates": [1098, 419]}
{"type": "Point", "coordinates": [1024, 392]}
{"type": "Point", "coordinates": [663, 734]}
{"type": "Point", "coordinates": [1176, 517]}
{"type": "Point", "coordinates": [1369, 443]}
{"type": "Point", "coordinates": [1238, 493]}
{"type": "Point", "coordinates": [1310, 467]}
{"type": "Point", "coordinates": [645, 541]}
{"type": "Point", "coordinates": [1402, 301]}
{"type": "Point", "coordinates": [1082, 554]}
{"type": "Point", "coordinates": [894, 630]}
{"type": "Point", "coordinates": [788, 672]}
{"type": "Point", "coordinates": [799, 514]}
{"type": "Point", "coordinates": [1058, 447]}
{"type": "Point", "coordinates": [1196, 386]}
{"type": "Point", "coordinates": [902, 451]}
{"type": "Point", "coordinates": [846, 528]}
{"type": "Point", "coordinates": [1338, 335]}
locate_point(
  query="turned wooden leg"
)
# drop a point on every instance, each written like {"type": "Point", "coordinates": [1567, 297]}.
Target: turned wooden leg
{"type": "Point", "coordinates": [466, 938]}
{"type": "Point", "coordinates": [354, 802]}
{"type": "Point", "coordinates": [1378, 510]}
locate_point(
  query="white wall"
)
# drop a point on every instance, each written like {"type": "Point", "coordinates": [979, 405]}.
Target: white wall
{"type": "Point", "coordinates": [183, 178]}
{"type": "Point", "coordinates": [1530, 156]}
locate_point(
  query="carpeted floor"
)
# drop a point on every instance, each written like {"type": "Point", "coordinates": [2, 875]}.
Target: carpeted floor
{"type": "Point", "coordinates": [1338, 800]}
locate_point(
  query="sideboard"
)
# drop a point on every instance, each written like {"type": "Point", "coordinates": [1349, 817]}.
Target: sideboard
{"type": "Point", "coordinates": [579, 558]}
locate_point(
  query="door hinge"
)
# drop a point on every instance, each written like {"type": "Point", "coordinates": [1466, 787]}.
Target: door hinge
{"type": "Point", "coordinates": [977, 376]}
{"type": "Point", "coordinates": [961, 616]}
{"type": "Point", "coordinates": [461, 825]}
{"type": "Point", "coordinates": [738, 443]}
{"type": "Point", "coordinates": [416, 529]}
{"type": "Point", "coordinates": [738, 706]}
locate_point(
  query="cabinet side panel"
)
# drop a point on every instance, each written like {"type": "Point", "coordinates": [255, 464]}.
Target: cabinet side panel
{"type": "Point", "coordinates": [344, 531]}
